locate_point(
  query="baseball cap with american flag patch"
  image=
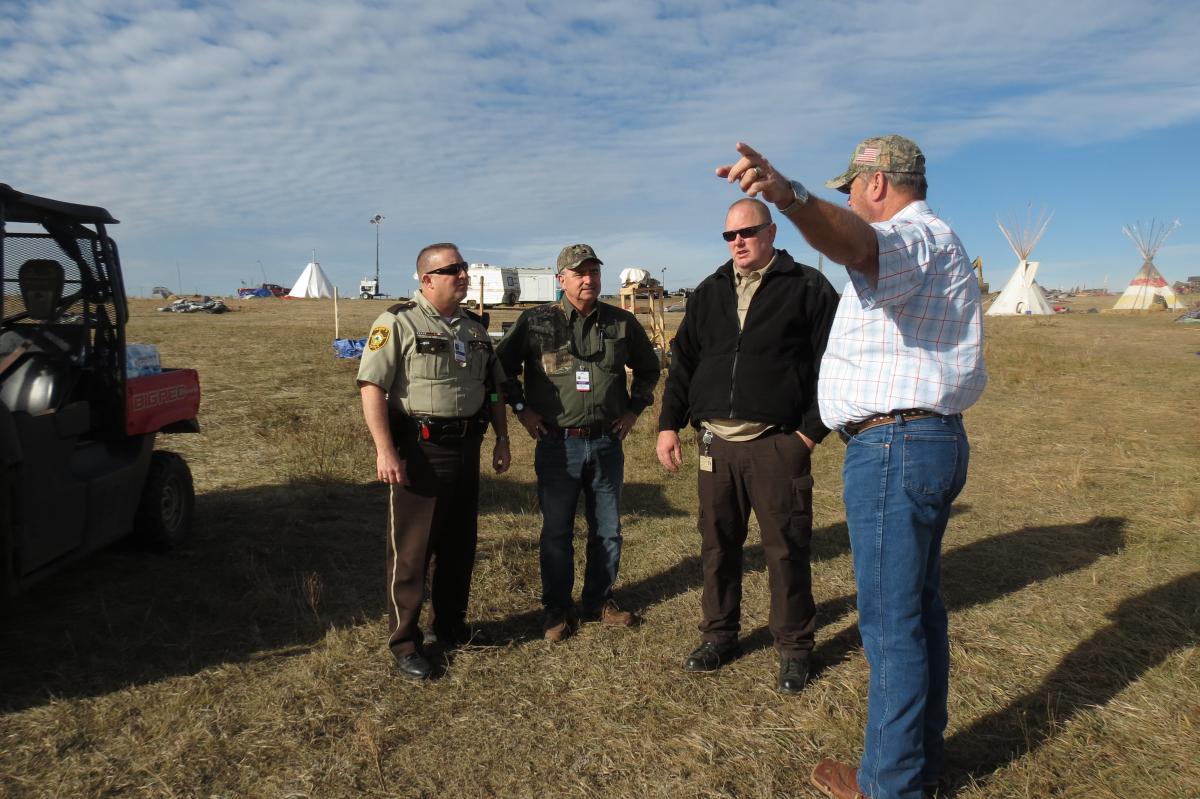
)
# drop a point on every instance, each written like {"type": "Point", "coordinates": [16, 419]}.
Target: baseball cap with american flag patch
{"type": "Point", "coordinates": [890, 153]}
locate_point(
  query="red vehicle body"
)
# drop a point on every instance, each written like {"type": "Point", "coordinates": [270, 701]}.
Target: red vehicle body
{"type": "Point", "coordinates": [274, 289]}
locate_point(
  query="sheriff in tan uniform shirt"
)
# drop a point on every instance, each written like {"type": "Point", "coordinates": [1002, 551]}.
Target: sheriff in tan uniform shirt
{"type": "Point", "coordinates": [429, 365]}
{"type": "Point", "coordinates": [427, 374]}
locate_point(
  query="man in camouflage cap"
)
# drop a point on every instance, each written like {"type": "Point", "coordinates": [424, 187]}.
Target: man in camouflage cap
{"type": "Point", "coordinates": [904, 360]}
{"type": "Point", "coordinates": [892, 154]}
{"type": "Point", "coordinates": [430, 382]}
{"type": "Point", "coordinates": [573, 355]}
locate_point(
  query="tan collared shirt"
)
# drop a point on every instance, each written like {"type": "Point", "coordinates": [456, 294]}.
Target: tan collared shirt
{"type": "Point", "coordinates": [430, 365]}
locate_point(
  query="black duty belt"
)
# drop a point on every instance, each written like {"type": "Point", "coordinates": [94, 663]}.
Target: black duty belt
{"type": "Point", "coordinates": [912, 414]}
{"type": "Point", "coordinates": [438, 430]}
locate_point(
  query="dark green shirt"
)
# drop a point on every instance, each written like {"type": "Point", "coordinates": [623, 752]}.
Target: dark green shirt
{"type": "Point", "coordinates": [574, 365]}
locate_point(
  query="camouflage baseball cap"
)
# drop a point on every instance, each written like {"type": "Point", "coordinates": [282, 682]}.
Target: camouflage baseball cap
{"type": "Point", "coordinates": [881, 154]}
{"type": "Point", "coordinates": [574, 255]}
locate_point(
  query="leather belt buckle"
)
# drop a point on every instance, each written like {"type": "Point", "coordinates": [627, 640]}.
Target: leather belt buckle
{"type": "Point", "coordinates": [590, 431]}
{"type": "Point", "coordinates": [854, 428]}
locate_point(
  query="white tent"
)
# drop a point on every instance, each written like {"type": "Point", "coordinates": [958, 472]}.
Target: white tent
{"type": "Point", "coordinates": [1022, 295]}
{"type": "Point", "coordinates": [312, 283]}
{"type": "Point", "coordinates": [1148, 289]}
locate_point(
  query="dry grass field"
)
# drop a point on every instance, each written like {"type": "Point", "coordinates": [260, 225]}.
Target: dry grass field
{"type": "Point", "coordinates": [251, 663]}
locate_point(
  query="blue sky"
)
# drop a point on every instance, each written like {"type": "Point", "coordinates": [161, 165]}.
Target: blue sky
{"type": "Point", "coordinates": [228, 134]}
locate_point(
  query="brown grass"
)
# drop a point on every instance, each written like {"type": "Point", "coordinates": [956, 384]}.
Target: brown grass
{"type": "Point", "coordinates": [251, 663]}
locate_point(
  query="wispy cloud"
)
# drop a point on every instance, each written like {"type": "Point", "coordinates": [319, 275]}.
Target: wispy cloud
{"type": "Point", "coordinates": [226, 133]}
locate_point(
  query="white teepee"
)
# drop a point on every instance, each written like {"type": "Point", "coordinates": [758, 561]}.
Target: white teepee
{"type": "Point", "coordinates": [312, 283]}
{"type": "Point", "coordinates": [1148, 285]}
{"type": "Point", "coordinates": [1021, 295]}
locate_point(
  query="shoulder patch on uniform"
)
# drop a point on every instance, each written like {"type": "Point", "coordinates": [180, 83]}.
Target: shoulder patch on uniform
{"type": "Point", "coordinates": [402, 306]}
{"type": "Point", "coordinates": [378, 337]}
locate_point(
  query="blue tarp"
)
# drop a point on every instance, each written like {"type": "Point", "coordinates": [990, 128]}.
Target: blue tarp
{"type": "Point", "coordinates": [348, 347]}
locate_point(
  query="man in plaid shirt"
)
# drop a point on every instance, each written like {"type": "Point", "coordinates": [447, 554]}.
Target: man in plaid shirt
{"type": "Point", "coordinates": [904, 360]}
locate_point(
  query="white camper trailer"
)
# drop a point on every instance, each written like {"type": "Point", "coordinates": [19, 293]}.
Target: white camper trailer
{"type": "Point", "coordinates": [538, 285]}
{"type": "Point", "coordinates": [492, 285]}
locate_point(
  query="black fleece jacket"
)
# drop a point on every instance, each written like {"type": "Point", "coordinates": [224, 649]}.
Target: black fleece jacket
{"type": "Point", "coordinates": [765, 372]}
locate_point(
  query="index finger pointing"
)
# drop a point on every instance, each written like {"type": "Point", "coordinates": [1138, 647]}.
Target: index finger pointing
{"type": "Point", "coordinates": [746, 151]}
{"type": "Point", "coordinates": [750, 158]}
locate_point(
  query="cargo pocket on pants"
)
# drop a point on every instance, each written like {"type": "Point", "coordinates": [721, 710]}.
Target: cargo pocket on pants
{"type": "Point", "coordinates": [802, 519]}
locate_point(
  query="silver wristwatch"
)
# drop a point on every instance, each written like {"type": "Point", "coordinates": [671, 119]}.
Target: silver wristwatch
{"type": "Point", "coordinates": [801, 197]}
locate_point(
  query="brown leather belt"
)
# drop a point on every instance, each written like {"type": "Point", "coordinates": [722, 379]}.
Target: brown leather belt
{"type": "Point", "coordinates": [854, 428]}
{"type": "Point", "coordinates": [588, 431]}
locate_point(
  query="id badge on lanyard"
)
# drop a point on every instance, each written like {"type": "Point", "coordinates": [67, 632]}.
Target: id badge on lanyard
{"type": "Point", "coordinates": [583, 380]}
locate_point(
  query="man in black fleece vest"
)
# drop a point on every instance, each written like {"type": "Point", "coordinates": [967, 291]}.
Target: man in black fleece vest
{"type": "Point", "coordinates": [744, 373]}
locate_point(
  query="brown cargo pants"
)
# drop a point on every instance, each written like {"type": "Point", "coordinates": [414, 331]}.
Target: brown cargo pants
{"type": "Point", "coordinates": [772, 476]}
{"type": "Point", "coordinates": [432, 532]}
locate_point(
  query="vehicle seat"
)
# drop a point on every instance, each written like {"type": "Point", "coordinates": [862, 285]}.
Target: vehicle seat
{"type": "Point", "coordinates": [41, 283]}
{"type": "Point", "coordinates": [39, 383]}
{"type": "Point", "coordinates": [42, 379]}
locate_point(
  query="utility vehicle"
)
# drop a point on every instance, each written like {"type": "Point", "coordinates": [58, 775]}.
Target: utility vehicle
{"type": "Point", "coordinates": [78, 468]}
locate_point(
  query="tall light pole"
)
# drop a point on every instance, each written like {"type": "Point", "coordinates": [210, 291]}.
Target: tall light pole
{"type": "Point", "coordinates": [375, 220]}
{"type": "Point", "coordinates": [664, 280]}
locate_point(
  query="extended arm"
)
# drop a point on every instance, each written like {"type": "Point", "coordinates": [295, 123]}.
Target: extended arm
{"type": "Point", "coordinates": [837, 232]}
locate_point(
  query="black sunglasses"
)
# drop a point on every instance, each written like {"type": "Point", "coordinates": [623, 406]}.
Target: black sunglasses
{"type": "Point", "coordinates": [745, 233]}
{"type": "Point", "coordinates": [450, 269]}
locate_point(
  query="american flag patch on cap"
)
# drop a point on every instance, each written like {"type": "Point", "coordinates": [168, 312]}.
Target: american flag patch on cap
{"type": "Point", "coordinates": [869, 155]}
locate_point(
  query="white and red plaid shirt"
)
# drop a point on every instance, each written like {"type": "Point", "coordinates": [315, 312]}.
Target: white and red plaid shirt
{"type": "Point", "coordinates": [913, 341]}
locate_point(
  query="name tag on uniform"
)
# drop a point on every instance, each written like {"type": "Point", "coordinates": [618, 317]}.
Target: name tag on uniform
{"type": "Point", "coordinates": [430, 343]}
{"type": "Point", "coordinates": [583, 380]}
{"type": "Point", "coordinates": [706, 463]}
{"type": "Point", "coordinates": [460, 350]}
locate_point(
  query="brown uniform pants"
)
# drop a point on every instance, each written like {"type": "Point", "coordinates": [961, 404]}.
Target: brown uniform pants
{"type": "Point", "coordinates": [432, 530]}
{"type": "Point", "coordinates": [770, 475]}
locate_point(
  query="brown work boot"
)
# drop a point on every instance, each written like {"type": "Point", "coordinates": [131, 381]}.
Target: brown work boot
{"type": "Point", "coordinates": [556, 626]}
{"type": "Point", "coordinates": [611, 613]}
{"type": "Point", "coordinates": [837, 780]}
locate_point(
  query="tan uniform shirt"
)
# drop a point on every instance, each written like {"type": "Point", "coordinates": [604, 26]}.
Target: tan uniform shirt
{"type": "Point", "coordinates": [738, 429]}
{"type": "Point", "coordinates": [430, 366]}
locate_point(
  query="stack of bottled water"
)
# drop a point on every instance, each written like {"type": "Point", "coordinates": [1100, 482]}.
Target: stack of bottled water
{"type": "Point", "coordinates": [141, 360]}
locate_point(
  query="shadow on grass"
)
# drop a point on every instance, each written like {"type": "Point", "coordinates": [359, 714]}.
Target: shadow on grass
{"type": "Point", "coordinates": [268, 569]}
{"type": "Point", "coordinates": [686, 575]}
{"type": "Point", "coordinates": [985, 570]}
{"type": "Point", "coordinates": [1145, 630]}
{"type": "Point", "coordinates": [512, 496]}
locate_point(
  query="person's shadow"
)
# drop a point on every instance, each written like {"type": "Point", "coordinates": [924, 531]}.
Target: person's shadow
{"type": "Point", "coordinates": [980, 572]}
{"type": "Point", "coordinates": [1145, 630]}
{"type": "Point", "coordinates": [685, 575]}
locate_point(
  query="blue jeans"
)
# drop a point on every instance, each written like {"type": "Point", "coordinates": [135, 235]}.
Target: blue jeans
{"type": "Point", "coordinates": [900, 480]}
{"type": "Point", "coordinates": [565, 467]}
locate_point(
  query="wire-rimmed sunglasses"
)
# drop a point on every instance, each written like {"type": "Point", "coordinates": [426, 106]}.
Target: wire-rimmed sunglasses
{"type": "Point", "coordinates": [745, 233]}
